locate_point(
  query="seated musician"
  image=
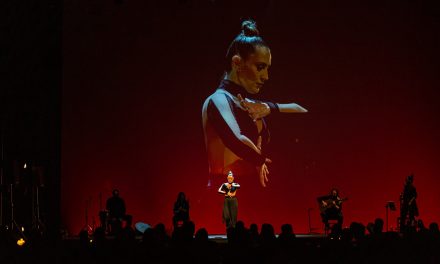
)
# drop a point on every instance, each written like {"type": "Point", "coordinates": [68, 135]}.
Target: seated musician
{"type": "Point", "coordinates": [181, 210]}
{"type": "Point", "coordinates": [331, 208]}
{"type": "Point", "coordinates": [116, 212]}
{"type": "Point", "coordinates": [408, 205]}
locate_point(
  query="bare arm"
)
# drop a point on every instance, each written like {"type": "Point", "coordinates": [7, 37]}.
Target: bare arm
{"type": "Point", "coordinates": [236, 185]}
{"type": "Point", "coordinates": [291, 108]}
{"type": "Point", "coordinates": [220, 190]}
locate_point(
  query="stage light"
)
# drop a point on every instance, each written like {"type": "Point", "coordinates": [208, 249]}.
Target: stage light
{"type": "Point", "coordinates": [17, 235]}
{"type": "Point", "coordinates": [21, 242]}
{"type": "Point", "coordinates": [141, 227]}
{"type": "Point", "coordinates": [25, 166]}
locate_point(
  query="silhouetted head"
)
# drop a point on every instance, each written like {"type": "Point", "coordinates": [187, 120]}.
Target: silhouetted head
{"type": "Point", "coordinates": [115, 192]}
{"type": "Point", "coordinates": [240, 226]}
{"type": "Point", "coordinates": [181, 196]}
{"type": "Point", "coordinates": [253, 229]}
{"type": "Point", "coordinates": [357, 230]}
{"type": "Point", "coordinates": [433, 227]}
{"type": "Point", "coordinates": [267, 232]}
{"type": "Point", "coordinates": [378, 225]}
{"type": "Point", "coordinates": [201, 235]}
{"type": "Point", "coordinates": [286, 229]}
{"type": "Point", "coordinates": [160, 228]}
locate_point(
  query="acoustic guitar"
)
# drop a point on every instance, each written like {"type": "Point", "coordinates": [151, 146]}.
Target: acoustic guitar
{"type": "Point", "coordinates": [331, 203]}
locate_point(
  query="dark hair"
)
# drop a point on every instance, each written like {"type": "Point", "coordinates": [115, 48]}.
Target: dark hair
{"type": "Point", "coordinates": [181, 196]}
{"type": "Point", "coordinates": [245, 42]}
{"type": "Point", "coordinates": [410, 179]}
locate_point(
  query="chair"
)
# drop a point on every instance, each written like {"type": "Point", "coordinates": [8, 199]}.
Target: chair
{"type": "Point", "coordinates": [331, 224]}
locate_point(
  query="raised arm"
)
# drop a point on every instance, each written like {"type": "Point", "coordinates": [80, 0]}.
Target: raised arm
{"type": "Point", "coordinates": [291, 108]}
{"type": "Point", "coordinates": [220, 190]}
{"type": "Point", "coordinates": [259, 110]}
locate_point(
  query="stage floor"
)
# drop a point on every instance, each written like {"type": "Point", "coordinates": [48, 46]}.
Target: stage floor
{"type": "Point", "coordinates": [219, 238]}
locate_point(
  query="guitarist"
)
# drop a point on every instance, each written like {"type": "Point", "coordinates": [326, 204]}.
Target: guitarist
{"type": "Point", "coordinates": [230, 206]}
{"type": "Point", "coordinates": [331, 208]}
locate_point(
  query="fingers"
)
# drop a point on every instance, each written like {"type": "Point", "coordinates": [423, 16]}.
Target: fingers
{"type": "Point", "coordinates": [246, 105]}
{"type": "Point", "coordinates": [268, 160]}
{"type": "Point", "coordinates": [240, 98]}
{"type": "Point", "coordinates": [242, 102]}
{"type": "Point", "coordinates": [255, 110]}
{"type": "Point", "coordinates": [264, 171]}
{"type": "Point", "coordinates": [262, 176]}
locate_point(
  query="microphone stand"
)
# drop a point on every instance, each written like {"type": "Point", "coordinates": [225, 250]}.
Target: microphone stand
{"type": "Point", "coordinates": [1, 177]}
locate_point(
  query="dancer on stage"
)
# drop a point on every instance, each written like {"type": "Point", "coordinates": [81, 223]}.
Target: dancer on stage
{"type": "Point", "coordinates": [230, 206]}
{"type": "Point", "coordinates": [233, 120]}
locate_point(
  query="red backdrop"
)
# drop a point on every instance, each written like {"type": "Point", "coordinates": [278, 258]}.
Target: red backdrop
{"type": "Point", "coordinates": [136, 75]}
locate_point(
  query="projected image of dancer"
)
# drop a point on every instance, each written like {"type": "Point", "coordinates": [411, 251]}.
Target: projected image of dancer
{"type": "Point", "coordinates": [236, 132]}
{"type": "Point", "coordinates": [230, 206]}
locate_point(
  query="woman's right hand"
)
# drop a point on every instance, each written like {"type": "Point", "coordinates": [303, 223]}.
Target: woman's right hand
{"type": "Point", "coordinates": [263, 171]}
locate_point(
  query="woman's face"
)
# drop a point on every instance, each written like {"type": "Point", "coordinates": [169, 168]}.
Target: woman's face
{"type": "Point", "coordinates": [254, 72]}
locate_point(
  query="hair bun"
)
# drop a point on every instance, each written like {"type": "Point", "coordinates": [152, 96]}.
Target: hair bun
{"type": "Point", "coordinates": [249, 28]}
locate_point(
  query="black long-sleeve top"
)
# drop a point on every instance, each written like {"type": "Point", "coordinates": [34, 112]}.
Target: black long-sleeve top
{"type": "Point", "coordinates": [116, 206]}
{"type": "Point", "coordinates": [226, 125]}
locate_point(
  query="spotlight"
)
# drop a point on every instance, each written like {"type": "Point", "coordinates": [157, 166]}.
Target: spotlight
{"type": "Point", "coordinates": [21, 242]}
{"type": "Point", "coordinates": [18, 237]}
{"type": "Point", "coordinates": [141, 227]}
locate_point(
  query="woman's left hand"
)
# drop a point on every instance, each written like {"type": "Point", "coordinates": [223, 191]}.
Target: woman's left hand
{"type": "Point", "coordinates": [256, 110]}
